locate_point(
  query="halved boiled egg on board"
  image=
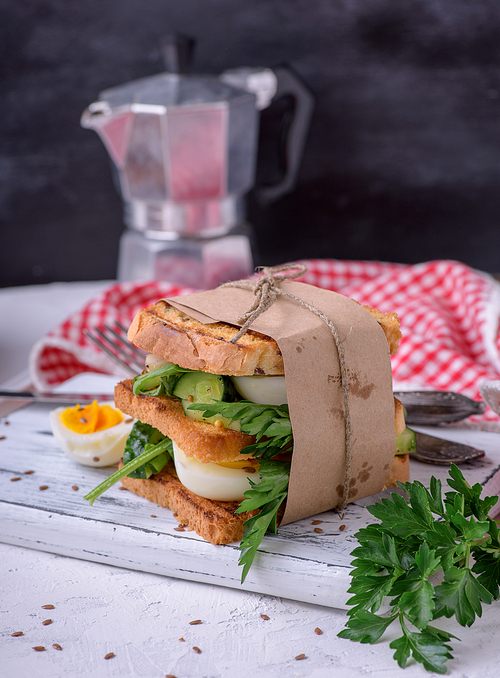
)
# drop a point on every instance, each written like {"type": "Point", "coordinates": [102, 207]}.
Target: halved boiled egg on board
{"type": "Point", "coordinates": [92, 435]}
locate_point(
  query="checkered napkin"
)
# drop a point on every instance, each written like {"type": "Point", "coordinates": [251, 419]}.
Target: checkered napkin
{"type": "Point", "coordinates": [449, 317]}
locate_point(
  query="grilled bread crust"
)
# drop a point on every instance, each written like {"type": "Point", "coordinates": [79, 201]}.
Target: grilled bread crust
{"type": "Point", "coordinates": [215, 521]}
{"type": "Point", "coordinates": [170, 334]}
{"type": "Point", "coordinates": [197, 439]}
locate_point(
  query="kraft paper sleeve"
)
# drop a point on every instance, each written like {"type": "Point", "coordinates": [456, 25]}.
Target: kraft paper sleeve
{"type": "Point", "coordinates": [314, 392]}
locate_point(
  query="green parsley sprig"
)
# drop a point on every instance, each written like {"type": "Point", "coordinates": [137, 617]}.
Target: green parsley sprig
{"type": "Point", "coordinates": [429, 535]}
{"type": "Point", "coordinates": [269, 423]}
{"type": "Point", "coordinates": [267, 495]}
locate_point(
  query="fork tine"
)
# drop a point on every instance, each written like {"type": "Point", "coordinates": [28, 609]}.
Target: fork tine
{"type": "Point", "coordinates": [127, 346]}
{"type": "Point", "coordinates": [118, 361]}
{"type": "Point", "coordinates": [120, 347]}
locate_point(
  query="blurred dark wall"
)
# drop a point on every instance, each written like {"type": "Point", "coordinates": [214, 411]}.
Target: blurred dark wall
{"type": "Point", "coordinates": [402, 162]}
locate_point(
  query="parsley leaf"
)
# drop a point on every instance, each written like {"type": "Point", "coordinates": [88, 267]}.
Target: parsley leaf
{"type": "Point", "coordinates": [269, 423]}
{"type": "Point", "coordinates": [267, 495]}
{"type": "Point", "coordinates": [397, 558]}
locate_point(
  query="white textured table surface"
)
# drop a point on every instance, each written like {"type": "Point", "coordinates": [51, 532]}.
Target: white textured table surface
{"type": "Point", "coordinates": [140, 617]}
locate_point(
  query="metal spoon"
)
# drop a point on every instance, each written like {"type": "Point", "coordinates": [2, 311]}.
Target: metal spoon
{"type": "Point", "coordinates": [431, 408]}
{"type": "Point", "coordinates": [433, 450]}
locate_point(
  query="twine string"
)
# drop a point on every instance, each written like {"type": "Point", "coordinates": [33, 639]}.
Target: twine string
{"type": "Point", "coordinates": [266, 289]}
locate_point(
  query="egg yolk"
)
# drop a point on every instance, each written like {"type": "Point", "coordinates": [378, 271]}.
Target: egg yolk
{"type": "Point", "coordinates": [90, 418]}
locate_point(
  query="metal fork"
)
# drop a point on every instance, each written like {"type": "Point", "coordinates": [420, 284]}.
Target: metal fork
{"type": "Point", "coordinates": [112, 340]}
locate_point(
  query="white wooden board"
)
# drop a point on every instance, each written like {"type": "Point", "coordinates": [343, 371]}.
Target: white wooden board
{"type": "Point", "coordinates": [120, 528]}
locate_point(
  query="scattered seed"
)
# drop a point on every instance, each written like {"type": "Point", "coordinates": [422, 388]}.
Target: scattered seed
{"type": "Point", "coordinates": [16, 634]}
{"type": "Point", "coordinates": [179, 529]}
{"type": "Point", "coordinates": [196, 621]}
{"type": "Point", "coordinates": [122, 488]}
{"type": "Point", "coordinates": [43, 487]}
{"type": "Point", "coordinates": [197, 650]}
{"type": "Point", "coordinates": [3, 437]}
{"type": "Point", "coordinates": [6, 422]}
{"type": "Point", "coordinates": [28, 473]}
{"type": "Point", "coordinates": [249, 469]}
{"type": "Point", "coordinates": [318, 530]}
{"type": "Point", "coordinates": [83, 420]}
{"type": "Point", "coordinates": [342, 528]}
{"type": "Point", "coordinates": [39, 648]}
{"type": "Point", "coordinates": [110, 655]}
{"type": "Point", "coordinates": [264, 617]}
{"type": "Point", "coordinates": [190, 399]}
{"type": "Point", "coordinates": [318, 631]}
{"type": "Point", "coordinates": [13, 480]}
{"type": "Point", "coordinates": [316, 522]}
{"type": "Point", "coordinates": [153, 515]}
{"type": "Point", "coordinates": [56, 646]}
{"type": "Point", "coordinates": [48, 607]}
{"type": "Point", "coordinates": [169, 675]}
{"type": "Point", "coordinates": [129, 420]}
{"type": "Point", "coordinates": [46, 622]}
{"type": "Point", "coordinates": [96, 459]}
{"type": "Point", "coordinates": [300, 656]}
{"type": "Point", "coordinates": [181, 640]}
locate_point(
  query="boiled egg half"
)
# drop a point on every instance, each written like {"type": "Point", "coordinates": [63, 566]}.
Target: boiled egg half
{"type": "Point", "coordinates": [262, 390]}
{"type": "Point", "coordinates": [227, 481]}
{"type": "Point", "coordinates": [92, 435]}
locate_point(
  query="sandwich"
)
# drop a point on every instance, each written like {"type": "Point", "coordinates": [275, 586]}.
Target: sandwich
{"type": "Point", "coordinates": [213, 439]}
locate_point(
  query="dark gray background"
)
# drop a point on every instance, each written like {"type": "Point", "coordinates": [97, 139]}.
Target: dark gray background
{"type": "Point", "coordinates": [402, 162]}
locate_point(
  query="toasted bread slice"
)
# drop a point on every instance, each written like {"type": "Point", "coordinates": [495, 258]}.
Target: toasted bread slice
{"type": "Point", "coordinates": [163, 330]}
{"type": "Point", "coordinates": [215, 521]}
{"type": "Point", "coordinates": [197, 439]}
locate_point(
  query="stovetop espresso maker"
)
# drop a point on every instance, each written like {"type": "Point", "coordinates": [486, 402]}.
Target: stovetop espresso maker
{"type": "Point", "coordinates": [185, 149]}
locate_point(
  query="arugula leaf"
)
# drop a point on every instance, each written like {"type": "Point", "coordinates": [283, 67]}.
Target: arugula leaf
{"type": "Point", "coordinates": [140, 438]}
{"type": "Point", "coordinates": [154, 457]}
{"type": "Point", "coordinates": [267, 495]}
{"type": "Point", "coordinates": [269, 423]}
{"type": "Point", "coordinates": [397, 558]}
{"type": "Point", "coordinates": [160, 381]}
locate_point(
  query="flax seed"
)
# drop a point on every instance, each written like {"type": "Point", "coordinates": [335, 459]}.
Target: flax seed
{"type": "Point", "coordinates": [56, 646]}
{"type": "Point", "coordinates": [249, 469]}
{"type": "Point", "coordinates": [179, 529]}
{"type": "Point", "coordinates": [48, 607]}
{"type": "Point", "coordinates": [300, 656]}
{"type": "Point", "coordinates": [153, 515]}
{"type": "Point", "coordinates": [342, 528]}
{"type": "Point", "coordinates": [39, 648]}
{"type": "Point", "coordinates": [46, 622]}
{"type": "Point", "coordinates": [74, 487]}
{"type": "Point", "coordinates": [13, 480]}
{"type": "Point", "coordinates": [316, 522]}
{"type": "Point", "coordinates": [197, 650]}
{"type": "Point", "coordinates": [110, 655]}
{"type": "Point", "coordinates": [169, 675]}
{"type": "Point", "coordinates": [264, 617]}
{"type": "Point", "coordinates": [181, 640]}
{"type": "Point", "coordinates": [43, 487]}
{"type": "Point", "coordinates": [96, 459]}
{"type": "Point", "coordinates": [318, 631]}
{"type": "Point", "coordinates": [196, 621]}
{"type": "Point", "coordinates": [16, 634]}
{"type": "Point", "coordinates": [318, 530]}
{"type": "Point", "coordinates": [3, 437]}
{"type": "Point", "coordinates": [28, 473]}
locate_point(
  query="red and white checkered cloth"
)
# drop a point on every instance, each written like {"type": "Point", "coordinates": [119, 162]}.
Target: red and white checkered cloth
{"type": "Point", "coordinates": [449, 317]}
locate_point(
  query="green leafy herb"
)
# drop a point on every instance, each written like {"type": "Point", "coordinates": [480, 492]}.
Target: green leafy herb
{"type": "Point", "coordinates": [269, 423]}
{"type": "Point", "coordinates": [267, 495]}
{"type": "Point", "coordinates": [414, 541]}
{"type": "Point", "coordinates": [145, 454]}
{"type": "Point", "coordinates": [161, 381]}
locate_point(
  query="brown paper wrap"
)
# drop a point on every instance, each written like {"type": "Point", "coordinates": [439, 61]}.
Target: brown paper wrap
{"type": "Point", "coordinates": [314, 390]}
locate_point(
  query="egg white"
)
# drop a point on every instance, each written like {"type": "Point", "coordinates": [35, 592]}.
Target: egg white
{"type": "Point", "coordinates": [262, 390]}
{"type": "Point", "coordinates": [212, 481]}
{"type": "Point", "coordinates": [106, 446]}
